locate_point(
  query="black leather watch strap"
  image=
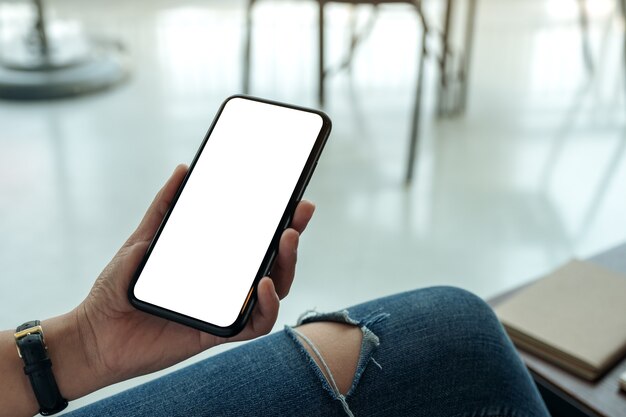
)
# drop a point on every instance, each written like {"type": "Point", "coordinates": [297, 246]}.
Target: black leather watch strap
{"type": "Point", "coordinates": [37, 366]}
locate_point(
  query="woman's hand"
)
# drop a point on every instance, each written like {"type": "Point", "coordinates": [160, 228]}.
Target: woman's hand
{"type": "Point", "coordinates": [122, 342]}
{"type": "Point", "coordinates": [105, 340]}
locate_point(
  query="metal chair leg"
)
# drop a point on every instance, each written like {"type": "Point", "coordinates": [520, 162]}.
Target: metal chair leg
{"type": "Point", "coordinates": [414, 138]}
{"type": "Point", "coordinates": [584, 28]}
{"type": "Point", "coordinates": [623, 10]}
{"type": "Point", "coordinates": [40, 27]}
{"type": "Point", "coordinates": [467, 53]}
{"type": "Point", "coordinates": [442, 91]}
{"type": "Point", "coordinates": [247, 49]}
{"type": "Point", "coordinates": [321, 91]}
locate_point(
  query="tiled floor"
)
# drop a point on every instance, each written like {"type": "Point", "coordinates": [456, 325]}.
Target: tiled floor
{"type": "Point", "coordinates": [532, 174]}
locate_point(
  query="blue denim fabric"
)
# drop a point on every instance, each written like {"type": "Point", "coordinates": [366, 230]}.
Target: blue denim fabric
{"type": "Point", "coordinates": [432, 352]}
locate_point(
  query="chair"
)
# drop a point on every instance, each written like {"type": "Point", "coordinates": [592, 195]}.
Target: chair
{"type": "Point", "coordinates": [445, 75]}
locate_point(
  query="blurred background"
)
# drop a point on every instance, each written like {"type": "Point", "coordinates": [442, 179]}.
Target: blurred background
{"type": "Point", "coordinates": [520, 138]}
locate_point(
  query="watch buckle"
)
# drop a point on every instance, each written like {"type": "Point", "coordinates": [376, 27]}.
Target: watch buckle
{"type": "Point", "coordinates": [23, 333]}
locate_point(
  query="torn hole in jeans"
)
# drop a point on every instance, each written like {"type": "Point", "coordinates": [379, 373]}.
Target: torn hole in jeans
{"type": "Point", "coordinates": [369, 343]}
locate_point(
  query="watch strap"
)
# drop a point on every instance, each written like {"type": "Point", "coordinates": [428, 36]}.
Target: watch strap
{"type": "Point", "coordinates": [32, 349]}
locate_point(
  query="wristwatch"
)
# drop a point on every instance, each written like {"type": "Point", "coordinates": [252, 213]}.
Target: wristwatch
{"type": "Point", "coordinates": [37, 365]}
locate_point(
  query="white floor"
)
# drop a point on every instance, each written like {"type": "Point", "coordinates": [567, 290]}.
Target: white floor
{"type": "Point", "coordinates": [533, 174]}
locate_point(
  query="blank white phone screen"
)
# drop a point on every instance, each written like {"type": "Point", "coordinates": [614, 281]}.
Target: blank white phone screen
{"type": "Point", "coordinates": [209, 252]}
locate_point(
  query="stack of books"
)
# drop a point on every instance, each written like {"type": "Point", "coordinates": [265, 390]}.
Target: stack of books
{"type": "Point", "coordinates": [574, 317]}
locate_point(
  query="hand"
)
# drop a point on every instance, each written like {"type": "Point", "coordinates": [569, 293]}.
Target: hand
{"type": "Point", "coordinates": [122, 342]}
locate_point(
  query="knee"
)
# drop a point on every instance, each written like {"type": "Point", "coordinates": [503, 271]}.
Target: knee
{"type": "Point", "coordinates": [443, 314]}
{"type": "Point", "coordinates": [458, 336]}
{"type": "Point", "coordinates": [456, 303]}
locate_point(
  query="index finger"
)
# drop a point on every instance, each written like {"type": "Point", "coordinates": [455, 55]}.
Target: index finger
{"type": "Point", "coordinates": [302, 215]}
{"type": "Point", "coordinates": [155, 213]}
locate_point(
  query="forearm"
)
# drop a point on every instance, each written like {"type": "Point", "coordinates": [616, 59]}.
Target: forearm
{"type": "Point", "coordinates": [72, 372]}
{"type": "Point", "coordinates": [16, 395]}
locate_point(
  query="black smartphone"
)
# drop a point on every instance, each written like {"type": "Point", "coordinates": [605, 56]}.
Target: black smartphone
{"type": "Point", "coordinates": [221, 233]}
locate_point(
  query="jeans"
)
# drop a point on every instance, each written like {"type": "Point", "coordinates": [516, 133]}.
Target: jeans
{"type": "Point", "coordinates": [432, 352]}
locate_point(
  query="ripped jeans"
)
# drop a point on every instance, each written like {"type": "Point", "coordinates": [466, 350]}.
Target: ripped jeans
{"type": "Point", "coordinates": [432, 352]}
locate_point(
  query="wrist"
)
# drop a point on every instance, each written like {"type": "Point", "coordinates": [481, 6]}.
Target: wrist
{"type": "Point", "coordinates": [74, 374]}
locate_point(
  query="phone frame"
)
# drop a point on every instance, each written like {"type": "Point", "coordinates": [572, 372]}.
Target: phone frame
{"type": "Point", "coordinates": [270, 254]}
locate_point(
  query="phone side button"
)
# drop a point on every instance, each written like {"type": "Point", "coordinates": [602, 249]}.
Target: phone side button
{"type": "Point", "coordinates": [247, 299]}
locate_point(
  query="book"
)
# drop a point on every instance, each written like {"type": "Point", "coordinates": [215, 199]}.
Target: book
{"type": "Point", "coordinates": [575, 317]}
